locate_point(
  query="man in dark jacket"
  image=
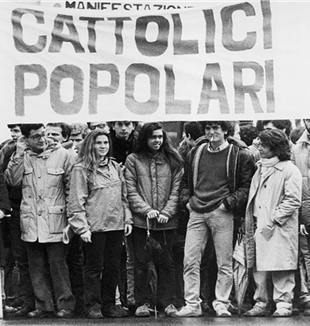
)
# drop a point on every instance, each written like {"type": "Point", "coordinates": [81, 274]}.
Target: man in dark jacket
{"type": "Point", "coordinates": [215, 189]}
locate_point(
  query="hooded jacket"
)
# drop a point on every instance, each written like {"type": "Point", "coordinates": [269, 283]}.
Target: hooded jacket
{"type": "Point", "coordinates": [45, 186]}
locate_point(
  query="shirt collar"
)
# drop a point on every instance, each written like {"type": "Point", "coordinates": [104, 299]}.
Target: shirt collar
{"type": "Point", "coordinates": [218, 149]}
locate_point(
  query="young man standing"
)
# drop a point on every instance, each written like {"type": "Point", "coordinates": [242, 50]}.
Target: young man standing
{"type": "Point", "coordinates": [215, 189]}
{"type": "Point", "coordinates": [43, 167]}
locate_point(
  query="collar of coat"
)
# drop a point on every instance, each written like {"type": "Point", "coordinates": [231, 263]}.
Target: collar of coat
{"type": "Point", "coordinates": [279, 166]}
{"type": "Point", "coordinates": [50, 147]}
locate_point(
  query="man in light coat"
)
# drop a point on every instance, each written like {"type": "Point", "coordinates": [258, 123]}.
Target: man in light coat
{"type": "Point", "coordinates": [271, 223]}
{"type": "Point", "coordinates": [43, 168]}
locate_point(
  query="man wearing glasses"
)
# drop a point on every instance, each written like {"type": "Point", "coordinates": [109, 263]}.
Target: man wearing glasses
{"type": "Point", "coordinates": [42, 166]}
{"type": "Point", "coordinates": [214, 188]}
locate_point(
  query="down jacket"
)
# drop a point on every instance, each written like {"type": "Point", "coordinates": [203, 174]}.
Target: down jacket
{"type": "Point", "coordinates": [301, 158]}
{"type": "Point", "coordinates": [45, 186]}
{"type": "Point", "coordinates": [240, 169]}
{"type": "Point", "coordinates": [152, 184]}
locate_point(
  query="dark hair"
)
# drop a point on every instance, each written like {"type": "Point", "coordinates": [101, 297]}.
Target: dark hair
{"type": "Point", "coordinates": [296, 133]}
{"type": "Point", "coordinates": [65, 129]}
{"type": "Point", "coordinates": [248, 133]}
{"type": "Point", "coordinates": [280, 124]}
{"type": "Point", "coordinates": [27, 127]}
{"type": "Point", "coordinates": [13, 125]}
{"type": "Point", "coordinates": [277, 142]}
{"type": "Point", "coordinates": [194, 129]}
{"type": "Point", "coordinates": [168, 151]}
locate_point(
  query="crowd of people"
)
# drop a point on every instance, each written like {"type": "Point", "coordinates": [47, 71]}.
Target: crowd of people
{"type": "Point", "coordinates": [110, 219]}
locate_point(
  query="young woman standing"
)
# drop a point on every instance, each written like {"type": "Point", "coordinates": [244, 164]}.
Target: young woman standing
{"type": "Point", "coordinates": [153, 174]}
{"type": "Point", "coordinates": [99, 213]}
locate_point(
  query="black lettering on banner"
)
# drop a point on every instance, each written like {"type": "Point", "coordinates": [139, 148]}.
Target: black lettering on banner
{"type": "Point", "coordinates": [158, 47]}
{"type": "Point", "coordinates": [19, 43]}
{"type": "Point", "coordinates": [182, 46]}
{"type": "Point", "coordinates": [91, 32]}
{"type": "Point", "coordinates": [174, 106]}
{"type": "Point", "coordinates": [58, 38]}
{"type": "Point", "coordinates": [267, 24]}
{"type": "Point", "coordinates": [210, 30]}
{"type": "Point", "coordinates": [150, 106]}
{"type": "Point", "coordinates": [270, 86]}
{"type": "Point", "coordinates": [119, 25]}
{"type": "Point", "coordinates": [58, 74]}
{"type": "Point", "coordinates": [95, 90]}
{"type": "Point", "coordinates": [71, 5]}
{"type": "Point", "coordinates": [227, 34]}
{"type": "Point", "coordinates": [251, 90]}
{"type": "Point", "coordinates": [213, 72]}
{"type": "Point", "coordinates": [20, 88]}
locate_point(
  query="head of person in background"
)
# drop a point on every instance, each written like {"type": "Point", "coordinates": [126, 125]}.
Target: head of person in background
{"type": "Point", "coordinates": [123, 129]}
{"type": "Point", "coordinates": [15, 131]}
{"type": "Point", "coordinates": [102, 125]}
{"type": "Point", "coordinates": [283, 125]}
{"type": "Point", "coordinates": [59, 131]}
{"type": "Point", "coordinates": [248, 133]}
{"type": "Point", "coordinates": [78, 133]}
{"type": "Point", "coordinates": [296, 133]}
{"type": "Point", "coordinates": [34, 136]}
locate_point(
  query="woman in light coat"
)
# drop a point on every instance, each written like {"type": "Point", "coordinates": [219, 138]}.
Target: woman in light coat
{"type": "Point", "coordinates": [272, 224]}
{"type": "Point", "coordinates": [153, 175]}
{"type": "Point", "coordinates": [99, 212]}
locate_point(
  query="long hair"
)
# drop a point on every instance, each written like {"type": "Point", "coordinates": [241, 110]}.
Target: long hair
{"type": "Point", "coordinates": [166, 148]}
{"type": "Point", "coordinates": [87, 154]}
{"type": "Point", "coordinates": [277, 141]}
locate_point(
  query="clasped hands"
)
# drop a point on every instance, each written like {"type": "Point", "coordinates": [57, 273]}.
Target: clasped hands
{"type": "Point", "coordinates": [155, 214]}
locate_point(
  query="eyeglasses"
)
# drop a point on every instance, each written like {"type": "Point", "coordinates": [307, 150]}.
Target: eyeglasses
{"type": "Point", "coordinates": [37, 137]}
{"type": "Point", "coordinates": [121, 124]}
{"type": "Point", "coordinates": [99, 126]}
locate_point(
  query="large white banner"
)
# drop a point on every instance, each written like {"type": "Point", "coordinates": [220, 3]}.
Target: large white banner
{"type": "Point", "coordinates": [217, 60]}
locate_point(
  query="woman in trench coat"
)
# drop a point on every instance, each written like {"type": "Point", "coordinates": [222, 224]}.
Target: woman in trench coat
{"type": "Point", "coordinates": [271, 224]}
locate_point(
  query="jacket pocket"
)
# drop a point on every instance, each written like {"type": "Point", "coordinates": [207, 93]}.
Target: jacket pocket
{"type": "Point", "coordinates": [25, 217]}
{"type": "Point", "coordinates": [57, 219]}
{"type": "Point", "coordinates": [54, 177]}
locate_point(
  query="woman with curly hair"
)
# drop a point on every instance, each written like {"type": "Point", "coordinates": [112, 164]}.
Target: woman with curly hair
{"type": "Point", "coordinates": [153, 174]}
{"type": "Point", "coordinates": [100, 214]}
{"type": "Point", "coordinates": [272, 224]}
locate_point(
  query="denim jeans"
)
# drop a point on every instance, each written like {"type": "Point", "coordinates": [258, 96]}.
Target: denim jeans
{"type": "Point", "coordinates": [164, 267]}
{"type": "Point", "coordinates": [49, 274]}
{"type": "Point", "coordinates": [102, 263]}
{"type": "Point", "coordinates": [218, 224]}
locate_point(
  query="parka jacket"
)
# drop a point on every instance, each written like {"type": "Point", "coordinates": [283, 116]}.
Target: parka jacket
{"type": "Point", "coordinates": [240, 169]}
{"type": "Point", "coordinates": [98, 199]}
{"type": "Point", "coordinates": [45, 186]}
{"type": "Point", "coordinates": [152, 184]}
{"type": "Point", "coordinates": [301, 158]}
{"type": "Point", "coordinates": [272, 240]}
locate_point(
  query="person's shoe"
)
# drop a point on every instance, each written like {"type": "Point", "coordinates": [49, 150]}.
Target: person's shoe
{"type": "Point", "coordinates": [306, 312]}
{"type": "Point", "coordinates": [9, 309]}
{"type": "Point", "coordinates": [232, 309]}
{"type": "Point", "coordinates": [65, 313]}
{"type": "Point", "coordinates": [257, 311]}
{"type": "Point", "coordinates": [222, 311]}
{"type": "Point", "coordinates": [282, 312]}
{"type": "Point", "coordinates": [115, 311]}
{"type": "Point", "coordinates": [22, 312]}
{"type": "Point", "coordinates": [188, 311]}
{"type": "Point", "coordinates": [171, 310]}
{"type": "Point", "coordinates": [94, 314]}
{"type": "Point", "coordinates": [39, 313]}
{"type": "Point", "coordinates": [143, 311]}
